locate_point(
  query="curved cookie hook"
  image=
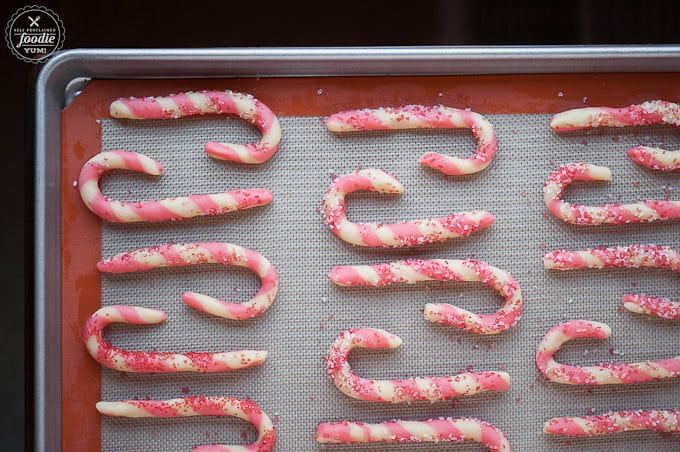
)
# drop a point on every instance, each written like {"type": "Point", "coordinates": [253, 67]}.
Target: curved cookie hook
{"type": "Point", "coordinates": [429, 430]}
{"type": "Point", "coordinates": [635, 256]}
{"type": "Point", "coordinates": [244, 106]}
{"type": "Point", "coordinates": [419, 117]}
{"type": "Point", "coordinates": [647, 113]}
{"type": "Point", "coordinates": [173, 255]}
{"type": "Point", "coordinates": [155, 362]}
{"type": "Point", "coordinates": [563, 176]}
{"type": "Point", "coordinates": [398, 391]}
{"type": "Point", "coordinates": [606, 374]}
{"type": "Point", "coordinates": [621, 421]}
{"type": "Point", "coordinates": [200, 406]}
{"type": "Point", "coordinates": [404, 234]}
{"type": "Point", "coordinates": [416, 270]}
{"type": "Point", "coordinates": [167, 209]}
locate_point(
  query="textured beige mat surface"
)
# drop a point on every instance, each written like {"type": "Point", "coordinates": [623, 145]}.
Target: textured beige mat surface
{"type": "Point", "coordinates": [310, 312]}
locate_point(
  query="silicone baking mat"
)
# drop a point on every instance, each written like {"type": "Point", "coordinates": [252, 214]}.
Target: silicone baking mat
{"type": "Point", "coordinates": [310, 312]}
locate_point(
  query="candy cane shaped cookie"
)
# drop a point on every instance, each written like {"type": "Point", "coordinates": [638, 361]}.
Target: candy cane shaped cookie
{"type": "Point", "coordinates": [635, 256]}
{"type": "Point", "coordinates": [606, 374]}
{"type": "Point", "coordinates": [398, 391]}
{"type": "Point", "coordinates": [404, 234]}
{"type": "Point", "coordinates": [200, 406]}
{"type": "Point", "coordinates": [416, 270]}
{"type": "Point", "coordinates": [242, 105]}
{"type": "Point", "coordinates": [155, 362]}
{"type": "Point", "coordinates": [174, 255]}
{"type": "Point", "coordinates": [419, 117]}
{"type": "Point", "coordinates": [177, 208]}
{"type": "Point", "coordinates": [429, 430]}
{"type": "Point", "coordinates": [563, 176]}
{"type": "Point", "coordinates": [615, 422]}
{"type": "Point", "coordinates": [647, 113]}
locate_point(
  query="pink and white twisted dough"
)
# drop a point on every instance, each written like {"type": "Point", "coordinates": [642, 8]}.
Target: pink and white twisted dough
{"type": "Point", "coordinates": [635, 256]}
{"type": "Point", "coordinates": [647, 113]}
{"type": "Point", "coordinates": [615, 213]}
{"type": "Point", "coordinates": [155, 362]}
{"type": "Point", "coordinates": [242, 105]}
{"type": "Point", "coordinates": [404, 234]}
{"type": "Point", "coordinates": [419, 117]}
{"type": "Point", "coordinates": [399, 391]}
{"type": "Point", "coordinates": [605, 374]}
{"type": "Point", "coordinates": [429, 430]}
{"type": "Point", "coordinates": [176, 208]}
{"type": "Point", "coordinates": [615, 422]}
{"type": "Point", "coordinates": [201, 406]}
{"type": "Point", "coordinates": [416, 270]}
{"type": "Point", "coordinates": [175, 255]}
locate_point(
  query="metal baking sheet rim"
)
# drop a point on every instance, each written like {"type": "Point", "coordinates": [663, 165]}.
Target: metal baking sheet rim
{"type": "Point", "coordinates": [67, 72]}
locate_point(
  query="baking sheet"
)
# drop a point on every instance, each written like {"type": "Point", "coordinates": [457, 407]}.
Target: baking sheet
{"type": "Point", "coordinates": [298, 411]}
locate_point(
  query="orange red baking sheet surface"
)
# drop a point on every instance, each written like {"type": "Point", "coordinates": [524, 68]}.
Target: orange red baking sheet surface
{"type": "Point", "coordinates": [308, 96]}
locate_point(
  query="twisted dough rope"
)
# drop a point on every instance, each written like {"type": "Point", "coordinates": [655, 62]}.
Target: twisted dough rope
{"type": "Point", "coordinates": [404, 234]}
{"type": "Point", "coordinates": [419, 117]}
{"type": "Point", "coordinates": [174, 255]}
{"type": "Point", "coordinates": [429, 430]}
{"type": "Point", "coordinates": [635, 256]}
{"type": "Point", "coordinates": [155, 362]}
{"type": "Point", "coordinates": [617, 373]}
{"type": "Point", "coordinates": [201, 406]}
{"type": "Point", "coordinates": [563, 176]}
{"type": "Point", "coordinates": [166, 209]}
{"type": "Point", "coordinates": [398, 391]}
{"type": "Point", "coordinates": [416, 270]}
{"type": "Point", "coordinates": [615, 422]}
{"type": "Point", "coordinates": [647, 113]}
{"type": "Point", "coordinates": [244, 106]}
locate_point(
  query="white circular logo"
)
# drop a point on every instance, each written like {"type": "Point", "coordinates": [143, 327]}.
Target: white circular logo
{"type": "Point", "coordinates": [34, 33]}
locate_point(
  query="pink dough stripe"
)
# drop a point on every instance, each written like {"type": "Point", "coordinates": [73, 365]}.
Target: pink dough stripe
{"type": "Point", "coordinates": [173, 255]}
{"type": "Point", "coordinates": [418, 117]}
{"type": "Point", "coordinates": [617, 373]}
{"type": "Point", "coordinates": [155, 362]}
{"type": "Point", "coordinates": [417, 270]}
{"type": "Point", "coordinates": [563, 176]}
{"type": "Point", "coordinates": [403, 234]}
{"type": "Point", "coordinates": [429, 430]}
{"type": "Point", "coordinates": [227, 102]}
{"type": "Point", "coordinates": [201, 406]}
{"type": "Point", "coordinates": [176, 208]}
{"type": "Point", "coordinates": [400, 391]}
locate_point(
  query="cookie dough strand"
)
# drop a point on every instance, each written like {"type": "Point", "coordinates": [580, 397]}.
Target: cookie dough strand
{"type": "Point", "coordinates": [227, 102]}
{"type": "Point", "coordinates": [606, 374]}
{"type": "Point", "coordinates": [399, 391]}
{"type": "Point", "coordinates": [404, 234]}
{"type": "Point", "coordinates": [416, 270]}
{"type": "Point", "coordinates": [155, 362]}
{"type": "Point", "coordinates": [615, 422]}
{"type": "Point", "coordinates": [422, 117]}
{"type": "Point", "coordinates": [635, 256]}
{"type": "Point", "coordinates": [177, 255]}
{"type": "Point", "coordinates": [176, 208]}
{"type": "Point", "coordinates": [430, 430]}
{"type": "Point", "coordinates": [655, 158]}
{"type": "Point", "coordinates": [246, 410]}
{"type": "Point", "coordinates": [647, 113]}
{"type": "Point", "coordinates": [563, 176]}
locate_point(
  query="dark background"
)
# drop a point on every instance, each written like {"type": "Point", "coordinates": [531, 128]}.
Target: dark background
{"type": "Point", "coordinates": [120, 24]}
